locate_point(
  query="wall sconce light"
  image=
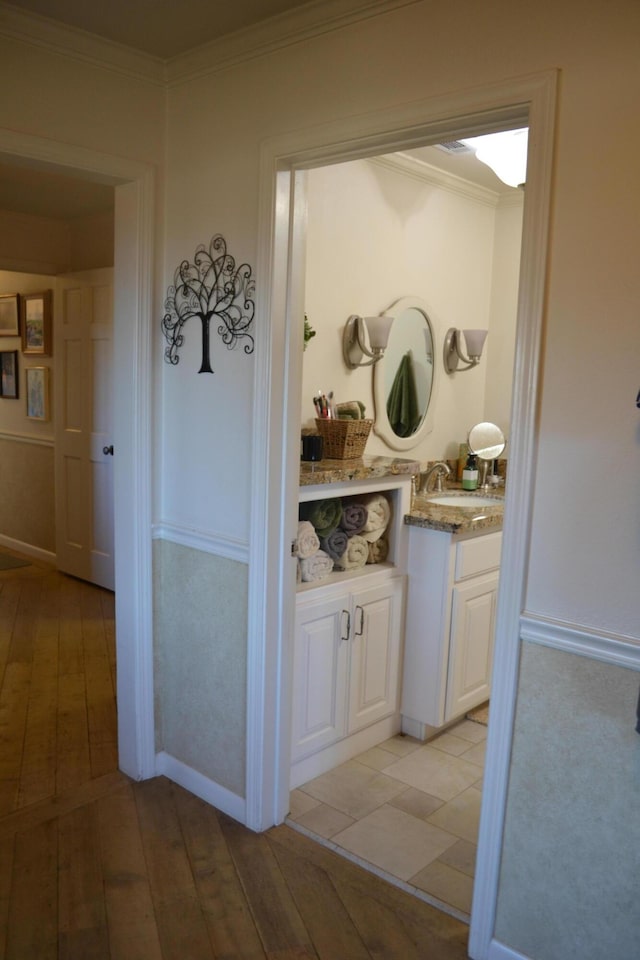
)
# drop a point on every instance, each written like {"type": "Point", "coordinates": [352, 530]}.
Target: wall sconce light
{"type": "Point", "coordinates": [453, 351]}
{"type": "Point", "coordinates": [353, 340]}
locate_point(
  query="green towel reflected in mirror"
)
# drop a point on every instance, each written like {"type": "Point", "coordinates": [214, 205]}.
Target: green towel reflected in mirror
{"type": "Point", "coordinates": [402, 403]}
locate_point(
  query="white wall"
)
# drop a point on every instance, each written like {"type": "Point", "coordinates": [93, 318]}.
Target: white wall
{"type": "Point", "coordinates": [584, 554]}
{"type": "Point", "coordinates": [583, 559]}
{"type": "Point", "coordinates": [35, 244]}
{"type": "Point", "coordinates": [375, 234]}
{"type": "Point", "coordinates": [26, 446]}
{"type": "Point", "coordinates": [500, 346]}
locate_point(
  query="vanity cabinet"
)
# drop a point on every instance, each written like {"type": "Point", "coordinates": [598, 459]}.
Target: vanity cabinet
{"type": "Point", "coordinates": [346, 664]}
{"type": "Point", "coordinates": [451, 609]}
{"type": "Point", "coordinates": [348, 646]}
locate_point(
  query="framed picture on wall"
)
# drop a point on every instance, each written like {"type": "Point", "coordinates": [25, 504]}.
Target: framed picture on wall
{"type": "Point", "coordinates": [9, 381]}
{"type": "Point", "coordinates": [9, 315]}
{"type": "Point", "coordinates": [36, 323]}
{"type": "Point", "coordinates": [37, 386]}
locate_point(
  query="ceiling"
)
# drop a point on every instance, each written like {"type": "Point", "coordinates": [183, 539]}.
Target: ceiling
{"type": "Point", "coordinates": [47, 194]}
{"type": "Point", "coordinates": [161, 28]}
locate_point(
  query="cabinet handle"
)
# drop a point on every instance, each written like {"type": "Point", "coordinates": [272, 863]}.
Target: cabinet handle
{"type": "Point", "coordinates": [361, 630]}
{"type": "Point", "coordinates": [348, 616]}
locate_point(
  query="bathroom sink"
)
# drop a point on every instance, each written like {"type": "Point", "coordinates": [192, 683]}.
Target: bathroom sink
{"type": "Point", "coordinates": [463, 500]}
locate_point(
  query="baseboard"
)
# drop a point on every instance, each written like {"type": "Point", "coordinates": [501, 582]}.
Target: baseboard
{"type": "Point", "coordinates": [46, 556]}
{"type": "Point", "coordinates": [498, 951]}
{"type": "Point", "coordinates": [196, 783]}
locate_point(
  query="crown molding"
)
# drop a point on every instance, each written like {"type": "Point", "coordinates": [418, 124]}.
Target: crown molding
{"type": "Point", "coordinates": [416, 169]}
{"type": "Point", "coordinates": [275, 33]}
{"type": "Point", "coordinates": [302, 23]}
{"type": "Point", "coordinates": [66, 41]}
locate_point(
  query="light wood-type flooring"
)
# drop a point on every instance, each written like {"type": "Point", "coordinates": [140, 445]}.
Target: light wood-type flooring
{"type": "Point", "coordinates": [96, 867]}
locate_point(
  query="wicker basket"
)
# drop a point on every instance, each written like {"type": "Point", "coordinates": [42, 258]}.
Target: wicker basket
{"type": "Point", "coordinates": [343, 439]}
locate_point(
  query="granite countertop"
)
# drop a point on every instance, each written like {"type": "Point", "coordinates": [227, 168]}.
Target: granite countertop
{"type": "Point", "coordinates": [454, 519]}
{"type": "Point", "coordinates": [364, 468]}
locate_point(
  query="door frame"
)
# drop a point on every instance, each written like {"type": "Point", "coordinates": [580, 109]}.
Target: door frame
{"type": "Point", "coordinates": [523, 101]}
{"type": "Point", "coordinates": [133, 302]}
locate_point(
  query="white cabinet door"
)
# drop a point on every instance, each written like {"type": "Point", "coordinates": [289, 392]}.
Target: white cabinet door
{"type": "Point", "coordinates": [376, 635]}
{"type": "Point", "coordinates": [321, 663]}
{"type": "Point", "coordinates": [473, 614]}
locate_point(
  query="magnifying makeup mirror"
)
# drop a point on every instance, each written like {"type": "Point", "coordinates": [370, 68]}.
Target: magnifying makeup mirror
{"type": "Point", "coordinates": [487, 441]}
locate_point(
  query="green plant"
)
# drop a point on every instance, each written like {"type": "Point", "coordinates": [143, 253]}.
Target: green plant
{"type": "Point", "coordinates": [309, 332]}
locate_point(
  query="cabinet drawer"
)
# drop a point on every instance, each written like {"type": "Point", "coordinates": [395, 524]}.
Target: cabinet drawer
{"type": "Point", "coordinates": [478, 556]}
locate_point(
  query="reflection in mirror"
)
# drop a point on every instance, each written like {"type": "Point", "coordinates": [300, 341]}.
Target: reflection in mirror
{"type": "Point", "coordinates": [404, 380]}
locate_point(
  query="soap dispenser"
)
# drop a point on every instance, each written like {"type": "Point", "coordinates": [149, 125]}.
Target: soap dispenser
{"type": "Point", "coordinates": [470, 473]}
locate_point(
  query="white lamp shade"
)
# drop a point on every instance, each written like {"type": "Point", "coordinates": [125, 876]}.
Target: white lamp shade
{"type": "Point", "coordinates": [475, 341]}
{"type": "Point", "coordinates": [379, 329]}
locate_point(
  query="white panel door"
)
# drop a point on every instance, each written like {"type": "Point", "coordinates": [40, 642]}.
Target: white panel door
{"type": "Point", "coordinates": [473, 618]}
{"type": "Point", "coordinates": [320, 665]}
{"type": "Point", "coordinates": [376, 632]}
{"type": "Point", "coordinates": [83, 325]}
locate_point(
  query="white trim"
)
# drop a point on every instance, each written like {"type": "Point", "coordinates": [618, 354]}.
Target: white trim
{"type": "Point", "coordinates": [133, 274]}
{"type": "Point", "coordinates": [196, 783]}
{"type": "Point", "coordinates": [277, 376]}
{"type": "Point", "coordinates": [66, 41]}
{"type": "Point", "coordinates": [46, 556]}
{"type": "Point", "coordinates": [415, 169]}
{"type": "Point", "coordinates": [498, 951]}
{"type": "Point", "coordinates": [258, 40]}
{"type": "Point", "coordinates": [218, 544]}
{"type": "Point", "coordinates": [27, 438]}
{"type": "Point", "coordinates": [518, 509]}
{"type": "Point", "coordinates": [607, 647]}
{"type": "Point", "coordinates": [293, 26]}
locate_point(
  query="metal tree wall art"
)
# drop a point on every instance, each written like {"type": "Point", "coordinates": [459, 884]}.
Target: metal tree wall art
{"type": "Point", "coordinates": [213, 289]}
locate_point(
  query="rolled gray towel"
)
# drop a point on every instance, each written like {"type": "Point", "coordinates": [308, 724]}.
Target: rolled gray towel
{"type": "Point", "coordinates": [354, 517]}
{"type": "Point", "coordinates": [316, 567]}
{"type": "Point", "coordinates": [308, 540]}
{"type": "Point", "coordinates": [355, 556]}
{"type": "Point", "coordinates": [335, 544]}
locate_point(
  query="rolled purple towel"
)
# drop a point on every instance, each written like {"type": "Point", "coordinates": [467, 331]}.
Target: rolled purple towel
{"type": "Point", "coordinates": [335, 544]}
{"type": "Point", "coordinates": [354, 517]}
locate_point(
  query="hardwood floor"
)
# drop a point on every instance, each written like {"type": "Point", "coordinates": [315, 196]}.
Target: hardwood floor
{"type": "Point", "coordinates": [96, 867]}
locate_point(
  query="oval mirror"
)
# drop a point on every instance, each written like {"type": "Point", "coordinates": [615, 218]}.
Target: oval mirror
{"type": "Point", "coordinates": [404, 380]}
{"type": "Point", "coordinates": [486, 440]}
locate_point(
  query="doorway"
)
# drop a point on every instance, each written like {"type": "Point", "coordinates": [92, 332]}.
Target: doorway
{"type": "Point", "coordinates": [441, 223]}
{"type": "Point", "coordinates": [521, 103]}
{"type": "Point", "coordinates": [134, 241]}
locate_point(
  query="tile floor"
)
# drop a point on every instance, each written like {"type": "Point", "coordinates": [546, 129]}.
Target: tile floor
{"type": "Point", "coordinates": [408, 810]}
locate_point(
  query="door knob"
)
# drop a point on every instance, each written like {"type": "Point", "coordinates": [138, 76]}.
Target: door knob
{"type": "Point", "coordinates": [108, 451]}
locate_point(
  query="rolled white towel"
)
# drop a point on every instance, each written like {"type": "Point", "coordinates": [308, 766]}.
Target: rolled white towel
{"type": "Point", "coordinates": [356, 554]}
{"type": "Point", "coordinates": [378, 516]}
{"type": "Point", "coordinates": [308, 540]}
{"type": "Point", "coordinates": [316, 567]}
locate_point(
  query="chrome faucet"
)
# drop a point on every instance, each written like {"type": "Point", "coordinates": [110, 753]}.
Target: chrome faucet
{"type": "Point", "coordinates": [440, 470]}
